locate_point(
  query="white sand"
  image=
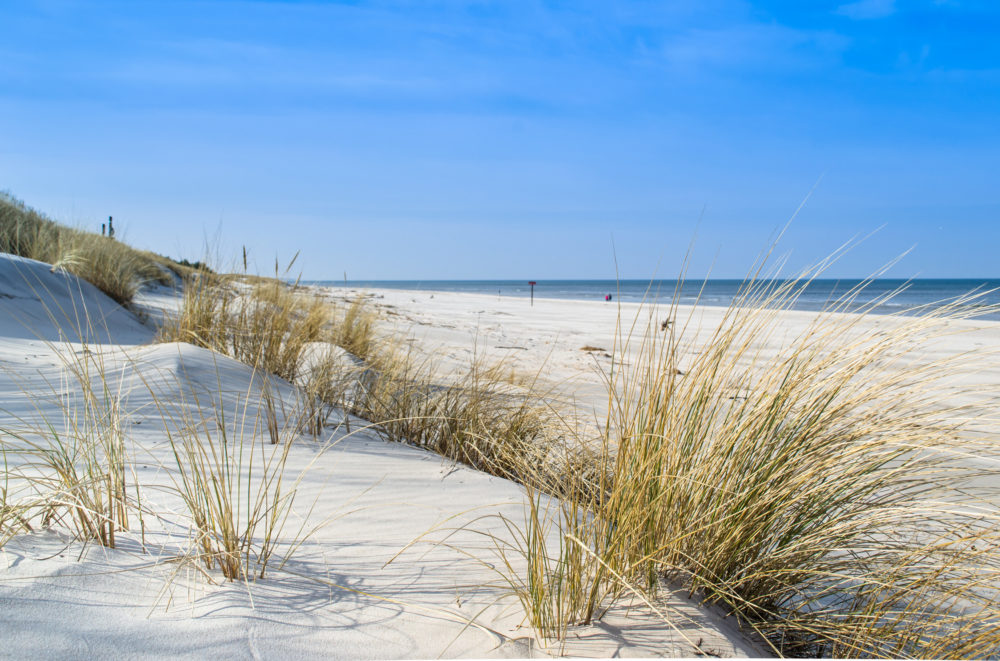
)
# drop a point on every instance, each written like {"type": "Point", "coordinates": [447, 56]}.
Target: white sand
{"type": "Point", "coordinates": [366, 500]}
{"type": "Point", "coordinates": [548, 336]}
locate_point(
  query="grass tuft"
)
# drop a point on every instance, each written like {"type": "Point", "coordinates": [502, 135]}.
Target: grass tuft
{"type": "Point", "coordinates": [477, 418]}
{"type": "Point", "coordinates": [266, 324]}
{"type": "Point", "coordinates": [77, 465]}
{"type": "Point", "coordinates": [822, 494]}
{"type": "Point", "coordinates": [233, 485]}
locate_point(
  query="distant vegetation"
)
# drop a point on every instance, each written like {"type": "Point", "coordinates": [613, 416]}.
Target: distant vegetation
{"type": "Point", "coordinates": [197, 266]}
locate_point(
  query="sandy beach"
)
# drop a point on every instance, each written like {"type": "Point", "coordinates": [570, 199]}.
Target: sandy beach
{"type": "Point", "coordinates": [359, 502]}
{"type": "Point", "coordinates": [568, 342]}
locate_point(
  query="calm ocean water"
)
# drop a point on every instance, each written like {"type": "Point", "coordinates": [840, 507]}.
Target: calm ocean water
{"type": "Point", "coordinates": [819, 294]}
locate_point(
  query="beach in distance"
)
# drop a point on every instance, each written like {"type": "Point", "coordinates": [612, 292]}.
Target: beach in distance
{"type": "Point", "coordinates": [820, 293]}
{"type": "Point", "coordinates": [569, 333]}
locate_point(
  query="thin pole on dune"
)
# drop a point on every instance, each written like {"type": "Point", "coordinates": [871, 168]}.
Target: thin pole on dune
{"type": "Point", "coordinates": [532, 283]}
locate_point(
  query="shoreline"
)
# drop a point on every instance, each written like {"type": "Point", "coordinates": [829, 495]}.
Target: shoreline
{"type": "Point", "coordinates": [888, 297]}
{"type": "Point", "coordinates": [455, 326]}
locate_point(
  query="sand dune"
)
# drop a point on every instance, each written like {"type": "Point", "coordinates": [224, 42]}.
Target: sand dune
{"type": "Point", "coordinates": [359, 502]}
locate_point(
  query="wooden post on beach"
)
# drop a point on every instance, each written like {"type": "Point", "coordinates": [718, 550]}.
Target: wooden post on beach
{"type": "Point", "coordinates": [532, 283]}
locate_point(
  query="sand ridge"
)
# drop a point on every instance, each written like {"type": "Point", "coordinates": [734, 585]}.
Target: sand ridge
{"type": "Point", "coordinates": [364, 499]}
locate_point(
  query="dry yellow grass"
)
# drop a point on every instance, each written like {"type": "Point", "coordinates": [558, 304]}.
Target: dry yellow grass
{"type": "Point", "coordinates": [819, 494]}
{"type": "Point", "coordinates": [477, 417]}
{"type": "Point", "coordinates": [112, 266]}
{"type": "Point", "coordinates": [76, 467]}
{"type": "Point", "coordinates": [796, 490]}
{"type": "Point", "coordinates": [267, 325]}
{"type": "Point", "coordinates": [233, 484]}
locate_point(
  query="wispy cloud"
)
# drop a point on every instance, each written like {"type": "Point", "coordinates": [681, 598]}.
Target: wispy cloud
{"type": "Point", "coordinates": [750, 46]}
{"type": "Point", "coordinates": [867, 9]}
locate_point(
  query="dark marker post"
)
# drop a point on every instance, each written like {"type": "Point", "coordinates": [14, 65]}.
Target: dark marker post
{"type": "Point", "coordinates": [532, 283]}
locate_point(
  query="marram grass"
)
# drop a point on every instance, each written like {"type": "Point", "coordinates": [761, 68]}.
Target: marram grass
{"type": "Point", "coordinates": [475, 417]}
{"type": "Point", "coordinates": [76, 466]}
{"type": "Point", "coordinates": [266, 324]}
{"type": "Point", "coordinates": [230, 473]}
{"type": "Point", "coordinates": [824, 494]}
{"type": "Point", "coordinates": [112, 266]}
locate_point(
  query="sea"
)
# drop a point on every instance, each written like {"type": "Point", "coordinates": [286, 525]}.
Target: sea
{"type": "Point", "coordinates": [879, 296]}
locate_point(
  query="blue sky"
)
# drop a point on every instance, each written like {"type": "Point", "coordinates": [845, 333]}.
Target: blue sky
{"type": "Point", "coordinates": [452, 139]}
